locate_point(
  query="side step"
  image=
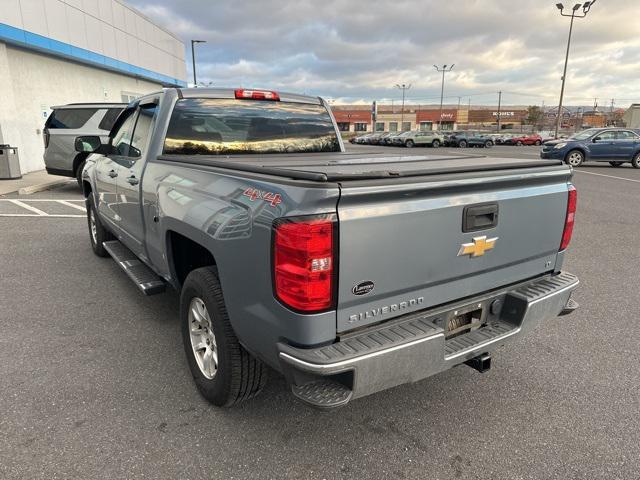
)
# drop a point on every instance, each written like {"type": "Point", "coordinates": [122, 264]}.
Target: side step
{"type": "Point", "coordinates": [323, 393]}
{"type": "Point", "coordinates": [147, 281]}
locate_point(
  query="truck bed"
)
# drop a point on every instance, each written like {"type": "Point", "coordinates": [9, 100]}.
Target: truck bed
{"type": "Point", "coordinates": [344, 166]}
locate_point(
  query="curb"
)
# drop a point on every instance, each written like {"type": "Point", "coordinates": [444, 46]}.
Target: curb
{"type": "Point", "coordinates": [41, 186]}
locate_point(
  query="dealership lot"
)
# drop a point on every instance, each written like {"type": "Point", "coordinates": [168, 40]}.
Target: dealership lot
{"type": "Point", "coordinates": [95, 382]}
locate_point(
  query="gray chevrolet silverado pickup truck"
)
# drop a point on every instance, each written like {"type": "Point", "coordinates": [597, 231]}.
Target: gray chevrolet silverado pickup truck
{"type": "Point", "coordinates": [347, 272]}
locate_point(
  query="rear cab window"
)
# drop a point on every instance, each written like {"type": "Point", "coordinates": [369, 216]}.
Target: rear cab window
{"type": "Point", "coordinates": [212, 126]}
{"type": "Point", "coordinates": [69, 118]}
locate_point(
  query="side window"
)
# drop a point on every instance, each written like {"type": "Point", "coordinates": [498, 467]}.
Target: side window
{"type": "Point", "coordinates": [142, 131]}
{"type": "Point", "coordinates": [109, 119]}
{"type": "Point", "coordinates": [71, 118]}
{"type": "Point", "coordinates": [606, 136]}
{"type": "Point", "coordinates": [122, 135]}
{"type": "Point", "coordinates": [626, 135]}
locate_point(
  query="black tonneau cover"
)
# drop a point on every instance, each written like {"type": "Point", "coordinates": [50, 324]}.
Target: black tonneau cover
{"type": "Point", "coordinates": [344, 166]}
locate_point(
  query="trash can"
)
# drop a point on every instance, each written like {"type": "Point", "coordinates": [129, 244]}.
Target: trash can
{"type": "Point", "coordinates": [9, 162]}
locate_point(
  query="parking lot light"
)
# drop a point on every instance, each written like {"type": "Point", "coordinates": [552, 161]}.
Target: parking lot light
{"type": "Point", "coordinates": [402, 87]}
{"type": "Point", "coordinates": [586, 6]}
{"type": "Point", "coordinates": [193, 59]}
{"type": "Point", "coordinates": [444, 70]}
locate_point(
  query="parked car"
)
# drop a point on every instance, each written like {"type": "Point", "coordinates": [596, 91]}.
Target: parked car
{"type": "Point", "coordinates": [422, 138]}
{"type": "Point", "coordinates": [385, 138]}
{"type": "Point", "coordinates": [374, 138]}
{"type": "Point", "coordinates": [533, 139]}
{"type": "Point", "coordinates": [469, 139]}
{"type": "Point", "coordinates": [398, 138]}
{"type": "Point", "coordinates": [64, 124]}
{"type": "Point", "coordinates": [362, 139]}
{"type": "Point", "coordinates": [241, 201]}
{"type": "Point", "coordinates": [613, 145]}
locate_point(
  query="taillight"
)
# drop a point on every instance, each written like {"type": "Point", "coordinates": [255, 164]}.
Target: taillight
{"type": "Point", "coordinates": [257, 95]}
{"type": "Point", "coordinates": [304, 262]}
{"type": "Point", "coordinates": [571, 215]}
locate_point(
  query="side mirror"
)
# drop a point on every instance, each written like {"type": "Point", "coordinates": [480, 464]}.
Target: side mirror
{"type": "Point", "coordinates": [87, 144]}
{"type": "Point", "coordinates": [595, 139]}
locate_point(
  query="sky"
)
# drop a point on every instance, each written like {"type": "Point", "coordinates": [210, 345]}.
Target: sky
{"type": "Point", "coordinates": [352, 51]}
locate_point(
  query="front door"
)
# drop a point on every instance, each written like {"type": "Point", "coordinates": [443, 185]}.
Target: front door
{"type": "Point", "coordinates": [129, 207]}
{"type": "Point", "coordinates": [603, 146]}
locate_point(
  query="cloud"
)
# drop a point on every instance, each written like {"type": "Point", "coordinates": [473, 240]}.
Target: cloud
{"type": "Point", "coordinates": [357, 51]}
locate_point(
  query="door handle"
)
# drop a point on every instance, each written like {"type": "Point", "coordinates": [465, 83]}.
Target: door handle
{"type": "Point", "coordinates": [132, 180]}
{"type": "Point", "coordinates": [113, 173]}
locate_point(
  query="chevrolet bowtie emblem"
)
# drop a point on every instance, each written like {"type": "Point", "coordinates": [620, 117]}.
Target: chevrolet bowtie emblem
{"type": "Point", "coordinates": [478, 246]}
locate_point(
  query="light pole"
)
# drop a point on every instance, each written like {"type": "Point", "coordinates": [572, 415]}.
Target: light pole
{"type": "Point", "coordinates": [193, 59]}
{"type": "Point", "coordinates": [444, 70]}
{"type": "Point", "coordinates": [402, 87]}
{"type": "Point", "coordinates": [586, 6]}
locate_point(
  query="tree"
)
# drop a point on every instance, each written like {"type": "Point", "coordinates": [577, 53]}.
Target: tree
{"type": "Point", "coordinates": [534, 115]}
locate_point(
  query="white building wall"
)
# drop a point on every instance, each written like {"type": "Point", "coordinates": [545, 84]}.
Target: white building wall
{"type": "Point", "coordinates": [31, 83]}
{"type": "Point", "coordinates": [105, 27]}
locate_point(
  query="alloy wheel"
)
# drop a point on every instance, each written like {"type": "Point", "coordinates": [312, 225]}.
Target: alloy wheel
{"type": "Point", "coordinates": [203, 340]}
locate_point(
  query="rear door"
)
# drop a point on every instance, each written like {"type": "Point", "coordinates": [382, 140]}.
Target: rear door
{"type": "Point", "coordinates": [60, 131]}
{"type": "Point", "coordinates": [406, 247]}
{"type": "Point", "coordinates": [626, 144]}
{"type": "Point", "coordinates": [109, 168]}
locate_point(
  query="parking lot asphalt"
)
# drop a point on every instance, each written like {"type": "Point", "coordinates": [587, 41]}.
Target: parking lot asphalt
{"type": "Point", "coordinates": [94, 381]}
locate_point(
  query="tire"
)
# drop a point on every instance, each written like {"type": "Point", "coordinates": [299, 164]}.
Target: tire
{"type": "Point", "coordinates": [79, 173]}
{"type": "Point", "coordinates": [238, 376]}
{"type": "Point", "coordinates": [538, 143]}
{"type": "Point", "coordinates": [488, 144]}
{"type": "Point", "coordinates": [636, 161]}
{"type": "Point", "coordinates": [615, 164]}
{"type": "Point", "coordinates": [519, 143]}
{"type": "Point", "coordinates": [97, 232]}
{"type": "Point", "coordinates": [462, 144]}
{"type": "Point", "coordinates": [409, 144]}
{"type": "Point", "coordinates": [574, 158]}
{"type": "Point", "coordinates": [435, 144]}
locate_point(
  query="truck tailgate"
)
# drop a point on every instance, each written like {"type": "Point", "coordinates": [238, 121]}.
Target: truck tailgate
{"type": "Point", "coordinates": [403, 248]}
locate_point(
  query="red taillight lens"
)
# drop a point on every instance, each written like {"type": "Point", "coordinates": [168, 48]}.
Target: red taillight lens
{"type": "Point", "coordinates": [571, 215]}
{"type": "Point", "coordinates": [257, 95]}
{"type": "Point", "coordinates": [304, 262]}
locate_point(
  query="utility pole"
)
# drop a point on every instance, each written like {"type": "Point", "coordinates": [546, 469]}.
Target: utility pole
{"type": "Point", "coordinates": [402, 87]}
{"type": "Point", "coordinates": [193, 59]}
{"type": "Point", "coordinates": [611, 122]}
{"type": "Point", "coordinates": [586, 6]}
{"type": "Point", "coordinates": [499, 104]}
{"type": "Point", "coordinates": [444, 70]}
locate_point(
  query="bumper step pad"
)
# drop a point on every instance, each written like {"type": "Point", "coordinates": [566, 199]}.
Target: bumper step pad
{"type": "Point", "coordinates": [146, 280]}
{"type": "Point", "coordinates": [323, 393]}
{"type": "Point", "coordinates": [470, 341]}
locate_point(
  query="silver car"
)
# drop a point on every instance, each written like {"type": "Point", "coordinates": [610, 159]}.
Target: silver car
{"type": "Point", "coordinates": [422, 138]}
{"type": "Point", "coordinates": [67, 122]}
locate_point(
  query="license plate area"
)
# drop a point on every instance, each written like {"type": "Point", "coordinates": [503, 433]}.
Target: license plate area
{"type": "Point", "coordinates": [465, 319]}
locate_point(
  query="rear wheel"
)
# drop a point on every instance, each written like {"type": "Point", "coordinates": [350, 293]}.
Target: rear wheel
{"type": "Point", "coordinates": [615, 164]}
{"type": "Point", "coordinates": [574, 158]}
{"type": "Point", "coordinates": [224, 372]}
{"type": "Point", "coordinates": [538, 143]}
{"type": "Point", "coordinates": [636, 161]}
{"type": "Point", "coordinates": [488, 144]}
{"type": "Point", "coordinates": [462, 144]}
{"type": "Point", "coordinates": [519, 143]}
{"type": "Point", "coordinates": [435, 143]}
{"type": "Point", "coordinates": [409, 144]}
{"type": "Point", "coordinates": [97, 232]}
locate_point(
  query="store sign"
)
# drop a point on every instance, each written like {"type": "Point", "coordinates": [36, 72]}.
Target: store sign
{"type": "Point", "coordinates": [504, 114]}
